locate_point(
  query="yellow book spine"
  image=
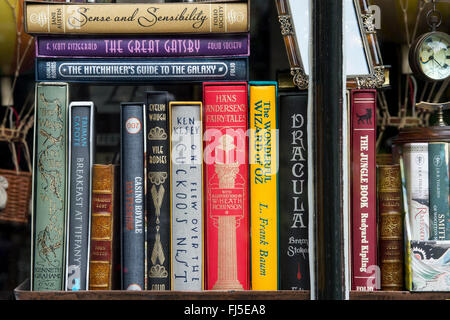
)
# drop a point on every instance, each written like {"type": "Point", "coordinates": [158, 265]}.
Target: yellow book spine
{"type": "Point", "coordinates": [263, 187]}
{"type": "Point", "coordinates": [162, 18]}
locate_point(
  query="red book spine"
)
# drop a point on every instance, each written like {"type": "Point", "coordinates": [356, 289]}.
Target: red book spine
{"type": "Point", "coordinates": [364, 231]}
{"type": "Point", "coordinates": [226, 185]}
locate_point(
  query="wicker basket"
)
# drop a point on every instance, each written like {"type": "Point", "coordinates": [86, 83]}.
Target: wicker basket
{"type": "Point", "coordinates": [19, 192]}
{"type": "Point", "coordinates": [19, 182]}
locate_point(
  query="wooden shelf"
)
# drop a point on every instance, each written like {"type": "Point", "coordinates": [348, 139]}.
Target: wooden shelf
{"type": "Point", "coordinates": [22, 292]}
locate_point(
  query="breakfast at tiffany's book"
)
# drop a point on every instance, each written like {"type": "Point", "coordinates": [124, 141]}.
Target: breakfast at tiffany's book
{"type": "Point", "coordinates": [177, 153]}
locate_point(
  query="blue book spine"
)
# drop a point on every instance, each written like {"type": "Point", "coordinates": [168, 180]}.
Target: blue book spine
{"type": "Point", "coordinates": [133, 195]}
{"type": "Point", "coordinates": [79, 211]}
{"type": "Point", "coordinates": [439, 190]}
{"type": "Point", "coordinates": [146, 70]}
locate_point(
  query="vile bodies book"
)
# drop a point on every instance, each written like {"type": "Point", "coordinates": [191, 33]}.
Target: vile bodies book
{"type": "Point", "coordinates": [226, 185]}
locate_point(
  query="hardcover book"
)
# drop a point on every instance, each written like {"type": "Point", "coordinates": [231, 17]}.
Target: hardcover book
{"type": "Point", "coordinates": [439, 190]}
{"type": "Point", "coordinates": [148, 70]}
{"type": "Point", "coordinates": [293, 192]}
{"type": "Point", "coordinates": [364, 227]}
{"type": "Point", "coordinates": [233, 45]}
{"type": "Point", "coordinates": [415, 159]}
{"type": "Point", "coordinates": [390, 227]}
{"type": "Point", "coordinates": [158, 195]}
{"type": "Point", "coordinates": [92, 18]}
{"type": "Point", "coordinates": [105, 236]}
{"type": "Point", "coordinates": [186, 176]}
{"type": "Point", "coordinates": [226, 186]}
{"type": "Point", "coordinates": [132, 119]}
{"type": "Point", "coordinates": [49, 206]}
{"type": "Point", "coordinates": [263, 185]}
{"type": "Point", "coordinates": [81, 154]}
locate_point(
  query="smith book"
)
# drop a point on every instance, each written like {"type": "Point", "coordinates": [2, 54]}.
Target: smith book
{"type": "Point", "coordinates": [144, 46]}
{"type": "Point", "coordinates": [390, 221]}
{"type": "Point", "coordinates": [226, 186]}
{"type": "Point", "coordinates": [263, 185]}
{"type": "Point", "coordinates": [141, 69]}
{"type": "Point", "coordinates": [105, 237]}
{"type": "Point", "coordinates": [81, 154]}
{"type": "Point", "coordinates": [49, 206]}
{"type": "Point", "coordinates": [132, 119]}
{"type": "Point", "coordinates": [186, 176]}
{"type": "Point", "coordinates": [293, 192]}
{"type": "Point", "coordinates": [363, 181]}
{"type": "Point", "coordinates": [133, 18]}
{"type": "Point", "coordinates": [439, 190]}
{"type": "Point", "coordinates": [158, 195]}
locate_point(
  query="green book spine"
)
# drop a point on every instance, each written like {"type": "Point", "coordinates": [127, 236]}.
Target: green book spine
{"type": "Point", "coordinates": [439, 190]}
{"type": "Point", "coordinates": [49, 187]}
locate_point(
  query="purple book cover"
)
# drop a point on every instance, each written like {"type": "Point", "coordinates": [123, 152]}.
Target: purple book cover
{"type": "Point", "coordinates": [149, 46]}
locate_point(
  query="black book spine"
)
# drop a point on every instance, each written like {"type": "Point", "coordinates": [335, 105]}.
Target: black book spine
{"type": "Point", "coordinates": [133, 195]}
{"type": "Point", "coordinates": [158, 194]}
{"type": "Point", "coordinates": [79, 215]}
{"type": "Point", "coordinates": [293, 197]}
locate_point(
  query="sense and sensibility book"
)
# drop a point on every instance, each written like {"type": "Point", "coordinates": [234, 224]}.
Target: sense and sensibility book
{"type": "Point", "coordinates": [49, 189]}
{"type": "Point", "coordinates": [157, 46]}
{"type": "Point", "coordinates": [81, 155]}
{"type": "Point", "coordinates": [135, 18]}
{"type": "Point", "coordinates": [293, 192]}
{"type": "Point", "coordinates": [263, 146]}
{"type": "Point", "coordinates": [186, 174]}
{"type": "Point", "coordinates": [226, 186]}
{"type": "Point", "coordinates": [158, 194]}
{"type": "Point", "coordinates": [141, 69]}
{"type": "Point", "coordinates": [363, 185]}
{"type": "Point", "coordinates": [132, 119]}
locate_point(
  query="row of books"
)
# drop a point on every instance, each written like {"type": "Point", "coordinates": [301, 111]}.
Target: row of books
{"type": "Point", "coordinates": [199, 205]}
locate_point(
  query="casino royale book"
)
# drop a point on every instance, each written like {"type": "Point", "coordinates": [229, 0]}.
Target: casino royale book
{"type": "Point", "coordinates": [149, 70]}
{"type": "Point", "coordinates": [363, 185]}
{"type": "Point", "coordinates": [100, 18]}
{"type": "Point", "coordinates": [49, 189]}
{"type": "Point", "coordinates": [293, 192]}
{"type": "Point", "coordinates": [232, 45]}
{"type": "Point", "coordinates": [226, 186]}
{"type": "Point", "coordinates": [158, 194]}
{"type": "Point", "coordinates": [186, 176]}
{"type": "Point", "coordinates": [81, 154]}
{"type": "Point", "coordinates": [263, 185]}
{"type": "Point", "coordinates": [132, 119]}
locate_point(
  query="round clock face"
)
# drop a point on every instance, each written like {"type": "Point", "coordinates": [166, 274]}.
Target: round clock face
{"type": "Point", "coordinates": [433, 55]}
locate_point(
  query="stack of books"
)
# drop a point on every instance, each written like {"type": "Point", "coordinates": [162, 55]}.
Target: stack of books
{"type": "Point", "coordinates": [195, 202]}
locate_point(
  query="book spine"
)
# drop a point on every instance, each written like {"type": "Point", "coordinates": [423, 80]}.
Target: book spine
{"type": "Point", "coordinates": [226, 186]}
{"type": "Point", "coordinates": [49, 187]}
{"type": "Point", "coordinates": [186, 196]}
{"type": "Point", "coordinates": [263, 186]}
{"type": "Point", "coordinates": [415, 157]}
{"type": "Point", "coordinates": [293, 193]}
{"type": "Point", "coordinates": [104, 241]}
{"type": "Point", "coordinates": [439, 190]}
{"type": "Point", "coordinates": [390, 227]}
{"type": "Point", "coordinates": [364, 228]}
{"type": "Point", "coordinates": [158, 195]}
{"type": "Point", "coordinates": [135, 18]}
{"type": "Point", "coordinates": [79, 209]}
{"type": "Point", "coordinates": [150, 46]}
{"type": "Point", "coordinates": [132, 191]}
{"type": "Point", "coordinates": [114, 70]}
